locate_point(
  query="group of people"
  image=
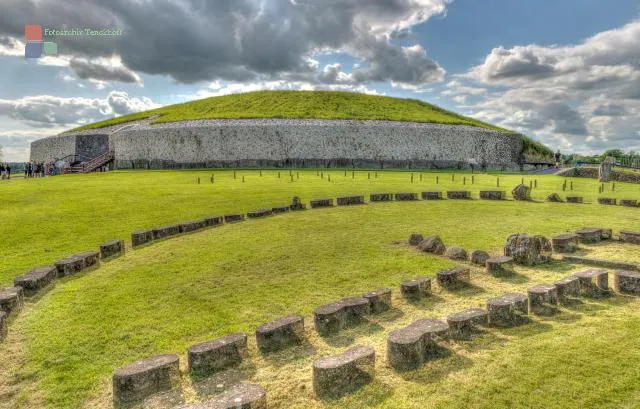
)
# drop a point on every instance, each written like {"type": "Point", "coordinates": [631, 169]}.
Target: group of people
{"type": "Point", "coordinates": [5, 171]}
{"type": "Point", "coordinates": [37, 170]}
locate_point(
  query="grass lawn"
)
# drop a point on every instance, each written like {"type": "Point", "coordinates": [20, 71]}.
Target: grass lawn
{"type": "Point", "coordinates": [63, 347]}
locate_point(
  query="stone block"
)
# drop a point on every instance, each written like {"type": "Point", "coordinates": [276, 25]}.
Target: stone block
{"type": "Point", "coordinates": [508, 310]}
{"type": "Point", "coordinates": [192, 226]}
{"type": "Point", "coordinates": [432, 244]}
{"type": "Point", "coordinates": [454, 278]}
{"type": "Point", "coordinates": [244, 396]}
{"type": "Point", "coordinates": [528, 250]}
{"type": "Point", "coordinates": [280, 209]}
{"type": "Point", "coordinates": [400, 197]}
{"type": "Point", "coordinates": [575, 199]}
{"type": "Point", "coordinates": [281, 333]}
{"type": "Point", "coordinates": [459, 195]}
{"type": "Point", "coordinates": [589, 235]}
{"type": "Point", "coordinates": [493, 194]}
{"type": "Point", "coordinates": [567, 289]}
{"type": "Point", "coordinates": [543, 299]}
{"type": "Point", "coordinates": [499, 265]}
{"type": "Point", "coordinates": [457, 253]}
{"type": "Point", "coordinates": [416, 288]}
{"type": "Point", "coordinates": [165, 231]}
{"type": "Point", "coordinates": [379, 300]}
{"type": "Point", "coordinates": [628, 203]}
{"type": "Point", "coordinates": [296, 204]}
{"type": "Point", "coordinates": [212, 221]}
{"type": "Point", "coordinates": [415, 239]}
{"type": "Point", "coordinates": [141, 237]}
{"type": "Point", "coordinates": [331, 318]}
{"type": "Point", "coordinates": [462, 325]}
{"type": "Point", "coordinates": [4, 327]}
{"type": "Point", "coordinates": [350, 200]}
{"type": "Point", "coordinates": [627, 282]}
{"type": "Point", "coordinates": [255, 214]}
{"type": "Point", "coordinates": [345, 372]}
{"type": "Point", "coordinates": [380, 197]}
{"type": "Point", "coordinates": [36, 280]}
{"type": "Point", "coordinates": [479, 257]}
{"type": "Point", "coordinates": [607, 201]}
{"type": "Point", "coordinates": [631, 237]}
{"type": "Point", "coordinates": [91, 258]}
{"type": "Point", "coordinates": [565, 243]}
{"type": "Point", "coordinates": [11, 300]}
{"type": "Point", "coordinates": [554, 198]}
{"type": "Point", "coordinates": [410, 347]}
{"type": "Point", "coordinates": [317, 203]}
{"type": "Point", "coordinates": [593, 283]}
{"type": "Point", "coordinates": [233, 218]}
{"type": "Point", "coordinates": [141, 379]}
{"type": "Point", "coordinates": [112, 248]}
{"type": "Point", "coordinates": [70, 265]}
{"type": "Point", "coordinates": [213, 356]}
{"type": "Point", "coordinates": [521, 192]}
{"type": "Point", "coordinates": [431, 195]}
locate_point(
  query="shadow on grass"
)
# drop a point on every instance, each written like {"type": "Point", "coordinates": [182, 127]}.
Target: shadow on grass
{"type": "Point", "coordinates": [532, 327]}
{"type": "Point", "coordinates": [223, 380]}
{"type": "Point", "coordinates": [366, 396]}
{"type": "Point", "coordinates": [443, 363]}
{"type": "Point", "coordinates": [351, 332]}
{"type": "Point", "coordinates": [290, 354]}
{"type": "Point", "coordinates": [511, 277]}
{"type": "Point", "coordinates": [390, 315]}
{"type": "Point", "coordinates": [555, 266]}
{"type": "Point", "coordinates": [465, 289]}
{"type": "Point", "coordinates": [163, 400]}
{"type": "Point", "coordinates": [424, 302]}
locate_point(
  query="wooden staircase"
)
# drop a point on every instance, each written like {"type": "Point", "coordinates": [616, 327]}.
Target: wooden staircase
{"type": "Point", "coordinates": [93, 164]}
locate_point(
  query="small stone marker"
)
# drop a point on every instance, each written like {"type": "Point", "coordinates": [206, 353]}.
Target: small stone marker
{"type": "Point", "coordinates": [568, 289]}
{"type": "Point", "coordinates": [554, 198]}
{"type": "Point", "coordinates": [499, 265]}
{"type": "Point", "coordinates": [565, 243]}
{"type": "Point", "coordinates": [350, 200]}
{"type": "Point", "coordinates": [379, 300]}
{"type": "Point", "coordinates": [590, 235]}
{"type": "Point", "coordinates": [3, 325]}
{"type": "Point", "coordinates": [493, 195]}
{"type": "Point", "coordinates": [459, 195]}
{"type": "Point", "coordinates": [91, 258]}
{"type": "Point", "coordinates": [255, 214]}
{"type": "Point", "coordinates": [463, 324]}
{"type": "Point", "coordinates": [36, 280]}
{"type": "Point", "coordinates": [593, 283]}
{"type": "Point", "coordinates": [479, 257]}
{"type": "Point", "coordinates": [401, 197]}
{"type": "Point", "coordinates": [244, 396]}
{"type": "Point", "coordinates": [111, 248]}
{"type": "Point", "coordinates": [141, 237]}
{"type": "Point", "coordinates": [141, 379]}
{"type": "Point", "coordinates": [11, 300]}
{"type": "Point", "coordinates": [70, 265]}
{"type": "Point", "coordinates": [457, 253]}
{"type": "Point", "coordinates": [192, 226]}
{"type": "Point", "coordinates": [508, 310]}
{"type": "Point", "coordinates": [381, 197]}
{"type": "Point", "coordinates": [431, 195]}
{"type": "Point", "coordinates": [432, 244]}
{"type": "Point", "coordinates": [631, 237]}
{"type": "Point", "coordinates": [607, 201]}
{"type": "Point", "coordinates": [280, 209]}
{"type": "Point", "coordinates": [209, 357]}
{"type": "Point", "coordinates": [575, 199]}
{"type": "Point", "coordinates": [629, 203]}
{"type": "Point", "coordinates": [317, 203]}
{"type": "Point", "coordinates": [410, 347]}
{"type": "Point", "coordinates": [166, 231]}
{"type": "Point", "coordinates": [454, 278]}
{"type": "Point", "coordinates": [627, 282]}
{"type": "Point", "coordinates": [233, 218]}
{"type": "Point", "coordinates": [521, 192]}
{"type": "Point", "coordinates": [213, 221]}
{"type": "Point", "coordinates": [416, 288]}
{"type": "Point", "coordinates": [281, 333]}
{"type": "Point", "coordinates": [415, 239]}
{"type": "Point", "coordinates": [342, 373]}
{"type": "Point", "coordinates": [331, 318]}
{"type": "Point", "coordinates": [543, 299]}
{"type": "Point", "coordinates": [528, 250]}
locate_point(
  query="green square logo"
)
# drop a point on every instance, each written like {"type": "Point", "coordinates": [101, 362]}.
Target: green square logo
{"type": "Point", "coordinates": [50, 48]}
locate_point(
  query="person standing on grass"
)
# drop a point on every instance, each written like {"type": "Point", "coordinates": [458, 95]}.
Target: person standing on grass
{"type": "Point", "coordinates": [2, 171]}
{"type": "Point", "coordinates": [558, 157]}
{"type": "Point", "coordinates": [26, 170]}
{"type": "Point", "coordinates": [8, 171]}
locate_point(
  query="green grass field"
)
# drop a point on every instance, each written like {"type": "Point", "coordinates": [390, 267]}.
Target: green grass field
{"type": "Point", "coordinates": [62, 348]}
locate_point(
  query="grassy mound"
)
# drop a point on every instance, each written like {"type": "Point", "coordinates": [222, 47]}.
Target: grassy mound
{"type": "Point", "coordinates": [300, 105]}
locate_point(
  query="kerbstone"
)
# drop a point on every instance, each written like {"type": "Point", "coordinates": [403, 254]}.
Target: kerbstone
{"type": "Point", "coordinates": [141, 237]}
{"type": "Point", "coordinates": [281, 333]}
{"type": "Point", "coordinates": [112, 248]}
{"type": "Point", "coordinates": [593, 283]}
{"type": "Point", "coordinates": [36, 280]}
{"type": "Point", "coordinates": [565, 243]}
{"type": "Point", "coordinates": [345, 372]}
{"type": "Point", "coordinates": [627, 282]}
{"type": "Point", "coordinates": [379, 300]}
{"type": "Point", "coordinates": [405, 196]}
{"type": "Point", "coordinates": [410, 347]}
{"type": "Point", "coordinates": [141, 379]}
{"type": "Point", "coordinates": [11, 300]}
{"type": "Point", "coordinates": [209, 357]}
{"type": "Point", "coordinates": [462, 325]}
{"type": "Point", "coordinates": [508, 310]}
{"type": "Point", "coordinates": [416, 288]}
{"type": "Point", "coordinates": [454, 278]}
{"type": "Point", "coordinates": [458, 195]}
{"type": "Point", "coordinates": [543, 299]}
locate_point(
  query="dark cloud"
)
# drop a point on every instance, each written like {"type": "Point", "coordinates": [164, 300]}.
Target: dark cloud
{"type": "Point", "coordinates": [87, 69]}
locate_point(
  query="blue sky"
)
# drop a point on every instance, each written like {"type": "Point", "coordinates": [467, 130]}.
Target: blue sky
{"type": "Point", "coordinates": [565, 72]}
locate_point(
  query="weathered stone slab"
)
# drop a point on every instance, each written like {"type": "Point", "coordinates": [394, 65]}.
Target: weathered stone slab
{"type": "Point", "coordinates": [280, 209]}
{"type": "Point", "coordinates": [479, 257]}
{"type": "Point", "coordinates": [607, 201]}
{"type": "Point", "coordinates": [459, 195]}
{"type": "Point", "coordinates": [543, 299]}
{"type": "Point", "coordinates": [463, 324]}
{"type": "Point", "coordinates": [508, 310]}
{"type": "Point", "coordinates": [416, 288]}
{"type": "Point", "coordinates": [255, 214]}
{"type": "Point", "coordinates": [209, 357]}
{"type": "Point", "coordinates": [410, 347]}
{"type": "Point", "coordinates": [565, 243]}
{"type": "Point", "coordinates": [233, 218]}
{"type": "Point", "coordinates": [521, 192]}
{"type": "Point", "coordinates": [400, 197]}
{"type": "Point", "coordinates": [454, 278]}
{"type": "Point", "coordinates": [350, 200]}
{"type": "Point", "coordinates": [166, 231]}
{"type": "Point", "coordinates": [568, 289]}
{"type": "Point", "coordinates": [590, 235]}
{"type": "Point", "coordinates": [112, 248]}
{"type": "Point", "coordinates": [381, 197]}
{"type": "Point", "coordinates": [141, 379]}
{"type": "Point", "coordinates": [632, 237]}
{"type": "Point", "coordinates": [593, 282]}
{"type": "Point", "coordinates": [11, 300]}
{"type": "Point", "coordinates": [431, 195]}
{"type": "Point", "coordinates": [379, 300]}
{"type": "Point", "coordinates": [493, 194]}
{"type": "Point", "coordinates": [296, 204]}
{"type": "Point", "coordinates": [627, 282]}
{"type": "Point", "coordinates": [281, 333]}
{"type": "Point", "coordinates": [245, 396]}
{"type": "Point", "coordinates": [499, 265]}
{"type": "Point", "coordinates": [554, 198]}
{"type": "Point", "coordinates": [213, 221]}
{"type": "Point", "coordinates": [575, 199]}
{"type": "Point", "coordinates": [70, 265]}
{"type": "Point", "coordinates": [415, 239]}
{"type": "Point", "coordinates": [457, 253]}
{"type": "Point", "coordinates": [528, 250]}
{"type": "Point", "coordinates": [3, 325]}
{"type": "Point", "coordinates": [316, 203]}
{"type": "Point", "coordinates": [432, 244]}
{"type": "Point", "coordinates": [331, 318]}
{"type": "Point", "coordinates": [141, 237]}
{"type": "Point", "coordinates": [338, 374]}
{"type": "Point", "coordinates": [628, 203]}
{"type": "Point", "coordinates": [192, 226]}
{"type": "Point", "coordinates": [36, 280]}
{"type": "Point", "coordinates": [91, 258]}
